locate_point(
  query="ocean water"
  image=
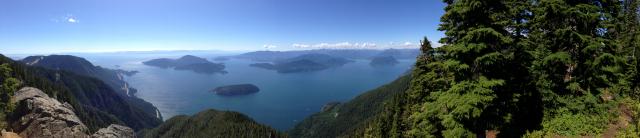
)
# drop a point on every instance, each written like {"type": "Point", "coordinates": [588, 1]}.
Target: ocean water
{"type": "Point", "coordinates": [283, 100]}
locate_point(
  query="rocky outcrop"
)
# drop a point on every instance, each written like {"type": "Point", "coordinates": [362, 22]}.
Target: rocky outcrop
{"type": "Point", "coordinates": [5, 134]}
{"type": "Point", "coordinates": [38, 115]}
{"type": "Point", "coordinates": [114, 131]}
{"type": "Point", "coordinates": [42, 116]}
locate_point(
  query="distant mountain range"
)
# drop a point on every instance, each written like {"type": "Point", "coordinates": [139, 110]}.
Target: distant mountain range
{"type": "Point", "coordinates": [188, 62]}
{"type": "Point", "coordinates": [270, 56]}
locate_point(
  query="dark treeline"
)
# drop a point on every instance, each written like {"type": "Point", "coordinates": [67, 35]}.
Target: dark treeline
{"type": "Point", "coordinates": [518, 68]}
{"type": "Point", "coordinates": [211, 124]}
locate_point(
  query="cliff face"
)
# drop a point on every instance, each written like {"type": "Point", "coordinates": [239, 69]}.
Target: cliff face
{"type": "Point", "coordinates": [38, 115]}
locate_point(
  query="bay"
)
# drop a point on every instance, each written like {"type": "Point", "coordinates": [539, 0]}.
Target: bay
{"type": "Point", "coordinates": [283, 100]}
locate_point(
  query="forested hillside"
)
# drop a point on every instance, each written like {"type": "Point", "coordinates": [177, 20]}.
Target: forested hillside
{"type": "Point", "coordinates": [212, 123]}
{"type": "Point", "coordinates": [111, 77]}
{"type": "Point", "coordinates": [351, 116]}
{"type": "Point", "coordinates": [514, 68]}
{"type": "Point", "coordinates": [96, 104]}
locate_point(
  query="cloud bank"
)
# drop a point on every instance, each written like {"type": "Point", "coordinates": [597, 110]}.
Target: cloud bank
{"type": "Point", "coordinates": [350, 45]}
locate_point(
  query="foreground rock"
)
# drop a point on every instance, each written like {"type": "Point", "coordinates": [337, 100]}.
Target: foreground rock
{"type": "Point", "coordinates": [38, 115]}
{"type": "Point", "coordinates": [5, 134]}
{"type": "Point", "coordinates": [42, 116]}
{"type": "Point", "coordinates": [115, 131]}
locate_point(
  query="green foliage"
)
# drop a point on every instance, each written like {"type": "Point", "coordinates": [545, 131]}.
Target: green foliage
{"type": "Point", "coordinates": [9, 85]}
{"type": "Point", "coordinates": [96, 103]}
{"type": "Point", "coordinates": [633, 129]}
{"type": "Point", "coordinates": [533, 68]}
{"type": "Point", "coordinates": [351, 118]}
{"type": "Point", "coordinates": [210, 124]}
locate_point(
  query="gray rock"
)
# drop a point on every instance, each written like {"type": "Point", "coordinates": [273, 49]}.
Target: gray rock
{"type": "Point", "coordinates": [42, 116]}
{"type": "Point", "coordinates": [114, 131]}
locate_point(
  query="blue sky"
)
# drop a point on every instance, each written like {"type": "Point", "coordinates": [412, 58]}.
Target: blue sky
{"type": "Point", "coordinates": [55, 26]}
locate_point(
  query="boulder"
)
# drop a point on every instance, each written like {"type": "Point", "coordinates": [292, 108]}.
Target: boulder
{"type": "Point", "coordinates": [5, 134]}
{"type": "Point", "coordinates": [114, 131]}
{"type": "Point", "coordinates": [38, 115]}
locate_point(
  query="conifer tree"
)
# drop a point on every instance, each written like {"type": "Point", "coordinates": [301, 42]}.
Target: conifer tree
{"type": "Point", "coordinates": [471, 89]}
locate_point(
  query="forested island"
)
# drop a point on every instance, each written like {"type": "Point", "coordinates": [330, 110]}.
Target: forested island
{"type": "Point", "coordinates": [304, 63]}
{"type": "Point", "coordinates": [188, 62]}
{"type": "Point", "coordinates": [234, 90]}
{"type": "Point", "coordinates": [383, 61]}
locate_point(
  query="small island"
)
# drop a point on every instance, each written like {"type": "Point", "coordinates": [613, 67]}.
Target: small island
{"type": "Point", "coordinates": [304, 63]}
{"type": "Point", "coordinates": [383, 61]}
{"type": "Point", "coordinates": [188, 62]}
{"type": "Point", "coordinates": [221, 59]}
{"type": "Point", "coordinates": [235, 90]}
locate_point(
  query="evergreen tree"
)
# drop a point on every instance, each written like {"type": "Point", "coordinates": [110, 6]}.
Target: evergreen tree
{"type": "Point", "coordinates": [629, 39]}
{"type": "Point", "coordinates": [578, 67]}
{"type": "Point", "coordinates": [9, 86]}
{"type": "Point", "coordinates": [471, 89]}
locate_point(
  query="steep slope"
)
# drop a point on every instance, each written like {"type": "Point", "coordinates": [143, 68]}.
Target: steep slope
{"type": "Point", "coordinates": [81, 66]}
{"type": "Point", "coordinates": [97, 105]}
{"type": "Point", "coordinates": [352, 116]}
{"type": "Point", "coordinates": [212, 123]}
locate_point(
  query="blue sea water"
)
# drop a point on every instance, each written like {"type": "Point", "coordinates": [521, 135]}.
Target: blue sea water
{"type": "Point", "coordinates": [283, 100]}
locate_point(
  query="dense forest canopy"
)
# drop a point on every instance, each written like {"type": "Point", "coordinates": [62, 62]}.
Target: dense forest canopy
{"type": "Point", "coordinates": [523, 68]}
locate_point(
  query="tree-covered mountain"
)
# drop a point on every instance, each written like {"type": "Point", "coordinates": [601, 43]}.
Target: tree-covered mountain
{"type": "Point", "coordinates": [383, 61]}
{"type": "Point", "coordinates": [80, 66]}
{"type": "Point", "coordinates": [95, 102]}
{"type": "Point", "coordinates": [188, 62]}
{"type": "Point", "coordinates": [304, 63]}
{"type": "Point", "coordinates": [350, 117]}
{"type": "Point", "coordinates": [212, 123]}
{"type": "Point", "coordinates": [512, 68]}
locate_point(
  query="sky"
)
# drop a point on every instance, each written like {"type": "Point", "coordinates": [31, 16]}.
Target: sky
{"type": "Point", "coordinates": [57, 26]}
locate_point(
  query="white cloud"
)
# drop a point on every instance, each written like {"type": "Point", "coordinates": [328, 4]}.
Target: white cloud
{"type": "Point", "coordinates": [69, 18]}
{"type": "Point", "coordinates": [408, 44]}
{"type": "Point", "coordinates": [269, 46]}
{"type": "Point", "coordinates": [300, 46]}
{"type": "Point", "coordinates": [72, 20]}
{"type": "Point", "coordinates": [341, 45]}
